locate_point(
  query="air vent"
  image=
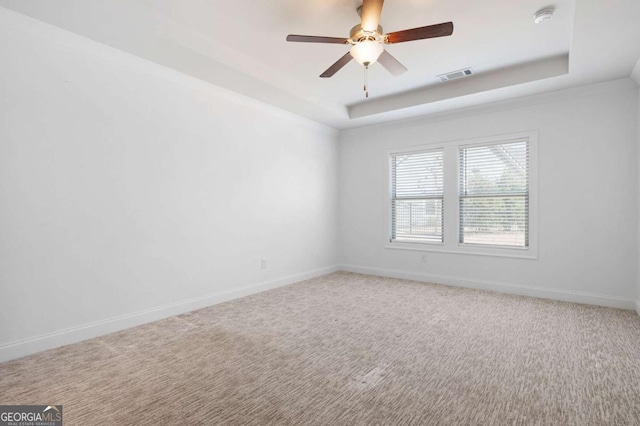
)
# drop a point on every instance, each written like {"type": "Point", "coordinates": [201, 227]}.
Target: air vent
{"type": "Point", "coordinates": [454, 75]}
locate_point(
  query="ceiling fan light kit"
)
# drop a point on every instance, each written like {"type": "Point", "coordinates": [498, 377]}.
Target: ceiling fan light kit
{"type": "Point", "coordinates": [366, 52]}
{"type": "Point", "coordinates": [366, 45]}
{"type": "Point", "coordinates": [367, 39]}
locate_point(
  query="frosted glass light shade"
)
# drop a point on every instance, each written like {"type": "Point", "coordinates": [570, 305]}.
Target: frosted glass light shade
{"type": "Point", "coordinates": [366, 52]}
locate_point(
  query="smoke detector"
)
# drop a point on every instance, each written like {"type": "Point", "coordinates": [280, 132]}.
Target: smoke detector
{"type": "Point", "coordinates": [543, 15]}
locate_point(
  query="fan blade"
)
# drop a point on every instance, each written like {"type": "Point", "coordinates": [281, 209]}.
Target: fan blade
{"type": "Point", "coordinates": [371, 10]}
{"type": "Point", "coordinates": [431, 31]}
{"type": "Point", "coordinates": [337, 66]}
{"type": "Point", "coordinates": [315, 39]}
{"type": "Point", "coordinates": [391, 64]}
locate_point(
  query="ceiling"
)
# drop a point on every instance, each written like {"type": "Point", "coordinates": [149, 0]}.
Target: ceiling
{"type": "Point", "coordinates": [241, 45]}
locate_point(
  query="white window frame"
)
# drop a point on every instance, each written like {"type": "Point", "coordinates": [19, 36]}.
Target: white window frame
{"type": "Point", "coordinates": [433, 149]}
{"type": "Point", "coordinates": [451, 210]}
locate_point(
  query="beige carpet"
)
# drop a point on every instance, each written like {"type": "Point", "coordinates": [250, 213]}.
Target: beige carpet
{"type": "Point", "coordinates": [350, 349]}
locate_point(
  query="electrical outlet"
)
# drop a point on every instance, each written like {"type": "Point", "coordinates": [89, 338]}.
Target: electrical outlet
{"type": "Point", "coordinates": [263, 263]}
{"type": "Point", "coordinates": [423, 259]}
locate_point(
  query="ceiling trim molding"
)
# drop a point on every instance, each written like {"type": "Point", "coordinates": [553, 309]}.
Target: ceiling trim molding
{"type": "Point", "coordinates": [522, 102]}
{"type": "Point", "coordinates": [504, 77]}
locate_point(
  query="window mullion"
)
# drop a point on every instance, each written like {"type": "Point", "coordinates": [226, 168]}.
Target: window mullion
{"type": "Point", "coordinates": [450, 216]}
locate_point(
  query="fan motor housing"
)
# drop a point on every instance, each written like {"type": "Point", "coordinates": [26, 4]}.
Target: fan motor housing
{"type": "Point", "coordinates": [357, 34]}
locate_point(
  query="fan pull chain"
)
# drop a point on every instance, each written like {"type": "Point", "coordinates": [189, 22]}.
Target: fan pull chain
{"type": "Point", "coordinates": [366, 81]}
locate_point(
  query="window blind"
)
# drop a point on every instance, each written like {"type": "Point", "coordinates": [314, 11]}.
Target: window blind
{"type": "Point", "coordinates": [494, 194]}
{"type": "Point", "coordinates": [416, 196]}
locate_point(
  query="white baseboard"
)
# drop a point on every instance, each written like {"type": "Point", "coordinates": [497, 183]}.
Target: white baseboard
{"type": "Point", "coordinates": [523, 290]}
{"type": "Point", "coordinates": [638, 307]}
{"type": "Point", "coordinates": [77, 334]}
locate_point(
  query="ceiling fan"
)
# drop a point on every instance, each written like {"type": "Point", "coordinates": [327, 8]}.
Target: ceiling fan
{"type": "Point", "coordinates": [367, 38]}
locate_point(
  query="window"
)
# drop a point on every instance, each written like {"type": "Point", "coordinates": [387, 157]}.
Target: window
{"type": "Point", "coordinates": [416, 197]}
{"type": "Point", "coordinates": [494, 194]}
{"type": "Point", "coordinates": [473, 197]}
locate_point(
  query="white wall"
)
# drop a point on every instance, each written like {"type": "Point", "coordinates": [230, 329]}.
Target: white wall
{"type": "Point", "coordinates": [126, 187]}
{"type": "Point", "coordinates": [588, 196]}
{"type": "Point", "coordinates": [636, 77]}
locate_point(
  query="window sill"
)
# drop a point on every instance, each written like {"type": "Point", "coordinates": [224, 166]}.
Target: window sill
{"type": "Point", "coordinates": [515, 253]}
